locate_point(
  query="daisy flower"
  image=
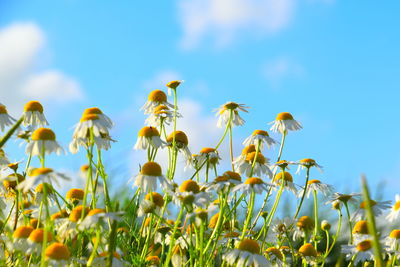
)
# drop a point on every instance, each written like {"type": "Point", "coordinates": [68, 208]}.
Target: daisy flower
{"type": "Point", "coordinates": [308, 253]}
{"type": "Point", "coordinates": [246, 150]}
{"type": "Point", "coordinates": [10, 181]}
{"type": "Point", "coordinates": [360, 231]}
{"type": "Point", "coordinates": [275, 256]}
{"type": "Point", "coordinates": [152, 202]}
{"type": "Point", "coordinates": [282, 227]}
{"type": "Point", "coordinates": [352, 198]}
{"type": "Point", "coordinates": [50, 192]}
{"type": "Point", "coordinates": [103, 118]}
{"type": "Point", "coordinates": [102, 260]}
{"type": "Point", "coordinates": [91, 122]}
{"type": "Point", "coordinates": [252, 184]}
{"type": "Point", "coordinates": [234, 177]}
{"type": "Point", "coordinates": [260, 167]}
{"type": "Point", "coordinates": [68, 226]}
{"type": "Point", "coordinates": [43, 141]}
{"type": "Point", "coordinates": [161, 113]}
{"type": "Point", "coordinates": [179, 257]}
{"type": "Point", "coordinates": [247, 253]}
{"type": "Point", "coordinates": [304, 226]}
{"type": "Point", "coordinates": [96, 216]}
{"type": "Point", "coordinates": [377, 208]}
{"type": "Point", "coordinates": [148, 136]}
{"type": "Point", "coordinates": [287, 181]}
{"type": "Point", "coordinates": [285, 122]}
{"type": "Point", "coordinates": [307, 163]}
{"type": "Point", "coordinates": [150, 173]}
{"type": "Point", "coordinates": [395, 212]}
{"type": "Point", "coordinates": [279, 165]}
{"type": "Point", "coordinates": [210, 154]}
{"type": "Point", "coordinates": [221, 183]}
{"type": "Point", "coordinates": [189, 194]}
{"type": "Point", "coordinates": [41, 175]}
{"type": "Point", "coordinates": [363, 251]}
{"type": "Point", "coordinates": [33, 115]}
{"type": "Point", "coordinates": [226, 109]}
{"type": "Point", "coordinates": [316, 185]}
{"type": "Point", "coordinates": [181, 142]}
{"type": "Point", "coordinates": [75, 196]}
{"type": "Point", "coordinates": [57, 254]}
{"type": "Point", "coordinates": [259, 136]}
{"type": "Point", "coordinates": [3, 159]}
{"type": "Point", "coordinates": [172, 85]}
{"type": "Point", "coordinates": [153, 261]}
{"type": "Point", "coordinates": [5, 119]}
{"type": "Point", "coordinates": [20, 238]}
{"type": "Point", "coordinates": [155, 98]}
{"type": "Point", "coordinates": [393, 240]}
{"type": "Point", "coordinates": [35, 241]}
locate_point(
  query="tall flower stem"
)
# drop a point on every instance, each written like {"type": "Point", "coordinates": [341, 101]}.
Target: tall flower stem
{"type": "Point", "coordinates": [172, 241]}
{"type": "Point", "coordinates": [249, 213]}
{"type": "Point", "coordinates": [316, 226]}
{"type": "Point", "coordinates": [349, 222]}
{"type": "Point", "coordinates": [335, 237]}
{"type": "Point", "coordinates": [304, 193]}
{"type": "Point", "coordinates": [282, 145]}
{"type": "Point", "coordinates": [231, 145]}
{"type": "Point", "coordinates": [10, 132]}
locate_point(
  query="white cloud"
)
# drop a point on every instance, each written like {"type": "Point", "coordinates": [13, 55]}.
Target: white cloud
{"type": "Point", "coordinates": [22, 46]}
{"type": "Point", "coordinates": [279, 69]}
{"type": "Point", "coordinates": [224, 19]}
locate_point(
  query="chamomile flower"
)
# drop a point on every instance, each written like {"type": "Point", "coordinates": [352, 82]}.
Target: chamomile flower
{"type": "Point", "coordinates": [102, 260]}
{"type": "Point", "coordinates": [3, 159]}
{"type": "Point", "coordinates": [10, 181]}
{"type": "Point", "coordinates": [363, 251]}
{"type": "Point", "coordinates": [220, 183]}
{"type": "Point", "coordinates": [152, 202]}
{"type": "Point", "coordinates": [153, 261]}
{"type": "Point", "coordinates": [279, 165]}
{"type": "Point", "coordinates": [161, 113]}
{"type": "Point", "coordinates": [58, 254]}
{"type": "Point", "coordinates": [35, 241]}
{"type": "Point", "coordinates": [283, 227]}
{"type": "Point", "coordinates": [5, 119]}
{"type": "Point", "coordinates": [179, 257]}
{"type": "Point", "coordinates": [98, 216]}
{"type": "Point", "coordinates": [90, 122]}
{"type": "Point", "coordinates": [395, 212]}
{"type": "Point", "coordinates": [393, 240]}
{"type": "Point", "coordinates": [172, 85]}
{"type": "Point", "coordinates": [247, 253]}
{"type": "Point", "coordinates": [155, 98]}
{"type": "Point", "coordinates": [41, 175]}
{"type": "Point", "coordinates": [285, 122]}
{"type": "Point", "coordinates": [148, 136]}
{"type": "Point", "coordinates": [75, 196]}
{"type": "Point", "coordinates": [189, 194]}
{"type": "Point", "coordinates": [43, 141]}
{"type": "Point", "coordinates": [233, 177]}
{"type": "Point", "coordinates": [50, 193]}
{"type": "Point", "coordinates": [259, 136]}
{"type": "Point", "coordinates": [360, 231]}
{"type": "Point", "coordinates": [246, 150]}
{"type": "Point", "coordinates": [103, 118]}
{"type": "Point", "coordinates": [20, 238]}
{"type": "Point", "coordinates": [304, 226]}
{"type": "Point", "coordinates": [316, 185]}
{"type": "Point", "coordinates": [252, 184]}
{"type": "Point", "coordinates": [275, 256]}
{"type": "Point", "coordinates": [33, 115]}
{"type": "Point", "coordinates": [260, 167]}
{"type": "Point", "coordinates": [150, 174]}
{"type": "Point", "coordinates": [306, 164]}
{"type": "Point", "coordinates": [377, 208]}
{"type": "Point", "coordinates": [308, 253]}
{"type": "Point", "coordinates": [287, 181]}
{"type": "Point", "coordinates": [352, 198]}
{"type": "Point", "coordinates": [181, 142]}
{"type": "Point", "coordinates": [209, 154]}
{"type": "Point", "coordinates": [224, 113]}
{"type": "Point", "coordinates": [68, 226]}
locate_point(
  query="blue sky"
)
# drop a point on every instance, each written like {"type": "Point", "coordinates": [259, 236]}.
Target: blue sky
{"type": "Point", "coordinates": [333, 64]}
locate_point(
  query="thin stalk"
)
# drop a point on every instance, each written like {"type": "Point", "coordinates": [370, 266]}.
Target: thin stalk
{"type": "Point", "coordinates": [316, 226]}
{"type": "Point", "coordinates": [172, 241]}
{"type": "Point", "coordinates": [231, 145]}
{"type": "Point", "coordinates": [349, 222]}
{"type": "Point", "coordinates": [304, 193]}
{"type": "Point", "coordinates": [249, 213]}
{"type": "Point", "coordinates": [11, 132]}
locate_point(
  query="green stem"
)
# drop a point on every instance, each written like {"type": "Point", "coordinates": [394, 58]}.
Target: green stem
{"type": "Point", "coordinates": [349, 222]}
{"type": "Point", "coordinates": [249, 214]}
{"type": "Point", "coordinates": [10, 132]}
{"type": "Point", "coordinates": [281, 146]}
{"type": "Point", "coordinates": [316, 226]}
{"type": "Point", "coordinates": [172, 241]}
{"type": "Point", "coordinates": [304, 193]}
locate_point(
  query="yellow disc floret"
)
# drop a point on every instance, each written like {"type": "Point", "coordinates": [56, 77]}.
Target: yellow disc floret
{"type": "Point", "coordinates": [89, 117]}
{"type": "Point", "coordinates": [151, 168]}
{"type": "Point", "coordinates": [260, 157]}
{"type": "Point", "coordinates": [305, 223]}
{"type": "Point", "coordinates": [207, 150]}
{"type": "Point", "coordinates": [23, 232]}
{"type": "Point", "coordinates": [361, 227]}
{"type": "Point", "coordinates": [308, 250]}
{"type": "Point", "coordinates": [157, 199]}
{"type": "Point", "coordinates": [233, 175]}
{"type": "Point", "coordinates": [285, 175]}
{"type": "Point", "coordinates": [180, 137]}
{"type": "Point", "coordinates": [253, 181]}
{"type": "Point", "coordinates": [189, 186]}
{"type": "Point", "coordinates": [96, 211]}
{"type": "Point", "coordinates": [363, 204]}
{"type": "Point", "coordinates": [44, 134]}
{"type": "Point", "coordinates": [3, 109]}
{"type": "Point", "coordinates": [283, 116]}
{"type": "Point", "coordinates": [57, 251]}
{"type": "Point", "coordinates": [93, 110]}
{"type": "Point", "coordinates": [173, 84]}
{"type": "Point", "coordinates": [396, 206]}
{"type": "Point", "coordinates": [276, 252]}
{"type": "Point", "coordinates": [364, 245]}
{"type": "Point", "coordinates": [314, 181]}
{"type": "Point", "coordinates": [33, 106]}
{"type": "Point", "coordinates": [395, 234]}
{"type": "Point", "coordinates": [40, 171]}
{"type": "Point", "coordinates": [157, 96]}
{"type": "Point", "coordinates": [148, 132]}
{"type": "Point", "coordinates": [249, 245]}
{"type": "Point", "coordinates": [260, 132]}
{"type": "Point", "coordinates": [248, 149]}
{"type": "Point", "coordinates": [38, 234]}
{"type": "Point", "coordinates": [154, 260]}
{"type": "Point", "coordinates": [76, 213]}
{"type": "Point", "coordinates": [75, 193]}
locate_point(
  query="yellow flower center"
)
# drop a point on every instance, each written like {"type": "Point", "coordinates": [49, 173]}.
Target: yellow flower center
{"type": "Point", "coordinates": [12, 183]}
{"type": "Point", "coordinates": [57, 251]}
{"type": "Point", "coordinates": [201, 213]}
{"type": "Point", "coordinates": [173, 84]}
{"type": "Point", "coordinates": [84, 168]}
{"type": "Point", "coordinates": [105, 254]}
{"type": "Point", "coordinates": [33, 106]}
{"type": "Point", "coordinates": [76, 213]}
{"type": "Point", "coordinates": [23, 232]}
{"type": "Point", "coordinates": [233, 175]}
{"type": "Point", "coordinates": [158, 199]}
{"type": "Point", "coordinates": [248, 149]}
{"type": "Point", "coordinates": [189, 186]}
{"type": "Point", "coordinates": [396, 206]}
{"type": "Point", "coordinates": [260, 158]}
{"type": "Point", "coordinates": [364, 245]}
{"type": "Point", "coordinates": [151, 168]}
{"type": "Point", "coordinates": [40, 171]}
{"type": "Point", "coordinates": [308, 162]}
{"type": "Point", "coordinates": [314, 181]}
{"type": "Point", "coordinates": [344, 198]}
{"type": "Point", "coordinates": [38, 234]}
{"type": "Point", "coordinates": [260, 132]}
{"type": "Point", "coordinates": [93, 110]}
{"type": "Point", "coordinates": [284, 116]}
{"type": "Point", "coordinates": [154, 260]}
{"type": "Point", "coordinates": [213, 221]}
{"type": "Point", "coordinates": [40, 188]}
{"type": "Point", "coordinates": [250, 246]}
{"type": "Point", "coordinates": [96, 211]}
{"type": "Point", "coordinates": [308, 250]}
{"type": "Point", "coordinates": [395, 234]}
{"type": "Point", "coordinates": [231, 105]}
{"type": "Point", "coordinates": [253, 181]}
{"type": "Point", "coordinates": [363, 204]}
{"type": "Point", "coordinates": [361, 227]}
{"type": "Point", "coordinates": [207, 150]}
{"type": "Point", "coordinates": [221, 179]}
{"type": "Point", "coordinates": [89, 117]}
{"type": "Point", "coordinates": [75, 193]}
{"type": "Point", "coordinates": [157, 96]}
{"type": "Point", "coordinates": [3, 109]}
{"type": "Point", "coordinates": [34, 223]}
{"type": "Point", "coordinates": [275, 252]}
{"type": "Point", "coordinates": [180, 137]}
{"type": "Point", "coordinates": [286, 176]}
{"type": "Point", "coordinates": [43, 134]}
{"type": "Point", "coordinates": [305, 223]}
{"type": "Point", "coordinates": [231, 235]}
{"type": "Point", "coordinates": [59, 215]}
{"type": "Point", "coordinates": [148, 132]}
{"type": "Point", "coordinates": [282, 163]}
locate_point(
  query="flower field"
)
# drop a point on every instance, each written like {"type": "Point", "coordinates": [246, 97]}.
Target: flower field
{"type": "Point", "coordinates": [214, 217]}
